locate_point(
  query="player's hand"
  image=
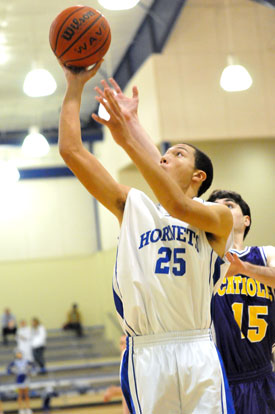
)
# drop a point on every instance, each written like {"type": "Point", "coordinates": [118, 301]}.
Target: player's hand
{"type": "Point", "coordinates": [128, 106]}
{"type": "Point", "coordinates": [236, 265]}
{"type": "Point", "coordinates": [117, 122]}
{"type": "Point", "coordinates": [82, 76]}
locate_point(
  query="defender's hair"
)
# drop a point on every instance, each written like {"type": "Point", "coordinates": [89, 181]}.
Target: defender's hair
{"type": "Point", "coordinates": [237, 198]}
{"type": "Point", "coordinates": [203, 162]}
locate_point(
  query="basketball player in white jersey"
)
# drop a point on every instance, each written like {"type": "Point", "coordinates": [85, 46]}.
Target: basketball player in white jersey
{"type": "Point", "coordinates": [169, 263]}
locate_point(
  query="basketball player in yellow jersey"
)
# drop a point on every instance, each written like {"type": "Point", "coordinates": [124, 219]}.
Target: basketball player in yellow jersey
{"type": "Point", "coordinates": [169, 263]}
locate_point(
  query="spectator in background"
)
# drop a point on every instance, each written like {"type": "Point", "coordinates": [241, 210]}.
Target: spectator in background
{"type": "Point", "coordinates": [21, 367]}
{"type": "Point", "coordinates": [74, 321]}
{"type": "Point", "coordinates": [23, 338]}
{"type": "Point", "coordinates": [38, 343]}
{"type": "Point", "coordinates": [8, 325]}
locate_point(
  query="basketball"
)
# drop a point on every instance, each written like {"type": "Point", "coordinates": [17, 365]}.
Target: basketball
{"type": "Point", "coordinates": [80, 36]}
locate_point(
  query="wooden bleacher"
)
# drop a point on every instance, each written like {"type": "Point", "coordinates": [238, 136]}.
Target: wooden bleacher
{"type": "Point", "coordinates": [78, 370]}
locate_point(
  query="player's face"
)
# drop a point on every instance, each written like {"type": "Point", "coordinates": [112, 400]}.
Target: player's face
{"type": "Point", "coordinates": [179, 162]}
{"type": "Point", "coordinates": [240, 222]}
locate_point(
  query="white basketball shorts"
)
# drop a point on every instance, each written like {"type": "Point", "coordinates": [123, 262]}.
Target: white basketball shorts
{"type": "Point", "coordinates": [174, 373]}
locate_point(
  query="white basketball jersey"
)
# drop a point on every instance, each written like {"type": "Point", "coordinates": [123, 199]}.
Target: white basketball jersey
{"type": "Point", "coordinates": [165, 271]}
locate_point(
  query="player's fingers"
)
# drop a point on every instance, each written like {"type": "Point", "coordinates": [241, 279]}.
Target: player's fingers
{"type": "Point", "coordinates": [109, 94]}
{"type": "Point", "coordinates": [99, 91]}
{"type": "Point", "coordinates": [95, 68]}
{"type": "Point", "coordinates": [135, 92]}
{"type": "Point", "coordinates": [104, 83]}
{"type": "Point", "coordinates": [115, 85]}
{"type": "Point", "coordinates": [109, 106]}
{"type": "Point", "coordinates": [99, 120]}
{"type": "Point", "coordinates": [235, 257]}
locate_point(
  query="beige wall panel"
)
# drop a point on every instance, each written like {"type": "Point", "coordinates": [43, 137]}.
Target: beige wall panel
{"type": "Point", "coordinates": [195, 31]}
{"type": "Point", "coordinates": [268, 62]}
{"type": "Point", "coordinates": [191, 101]}
{"type": "Point", "coordinates": [246, 110]}
{"type": "Point", "coordinates": [173, 120]}
{"type": "Point", "coordinates": [266, 28]}
{"type": "Point", "coordinates": [248, 167]}
{"type": "Point", "coordinates": [47, 288]}
{"type": "Point", "coordinates": [237, 27]}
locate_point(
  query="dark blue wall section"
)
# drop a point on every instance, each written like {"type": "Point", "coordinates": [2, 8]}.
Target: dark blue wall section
{"type": "Point", "coordinates": [269, 3]}
{"type": "Point", "coordinates": [46, 172]}
{"type": "Point", "coordinates": [150, 37]}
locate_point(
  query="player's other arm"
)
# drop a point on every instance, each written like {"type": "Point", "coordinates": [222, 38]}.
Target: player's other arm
{"type": "Point", "coordinates": [84, 165]}
{"type": "Point", "coordinates": [129, 108]}
{"type": "Point", "coordinates": [214, 219]}
{"type": "Point", "coordinates": [264, 274]}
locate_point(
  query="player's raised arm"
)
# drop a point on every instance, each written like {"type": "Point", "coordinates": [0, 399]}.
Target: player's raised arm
{"type": "Point", "coordinates": [83, 164]}
{"type": "Point", "coordinates": [173, 191]}
{"type": "Point", "coordinates": [264, 274]}
{"type": "Point", "coordinates": [129, 108]}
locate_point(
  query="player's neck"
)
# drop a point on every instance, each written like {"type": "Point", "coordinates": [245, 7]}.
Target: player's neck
{"type": "Point", "coordinates": [238, 243]}
{"type": "Point", "coordinates": [190, 192]}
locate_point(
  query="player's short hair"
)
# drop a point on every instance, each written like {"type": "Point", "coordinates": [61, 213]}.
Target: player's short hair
{"type": "Point", "coordinates": [203, 162]}
{"type": "Point", "coordinates": [237, 198]}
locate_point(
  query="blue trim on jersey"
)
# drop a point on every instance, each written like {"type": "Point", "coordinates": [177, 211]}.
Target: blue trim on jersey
{"type": "Point", "coordinates": [263, 255]}
{"type": "Point", "coordinates": [120, 310]}
{"type": "Point", "coordinates": [211, 256]}
{"type": "Point", "coordinates": [240, 253]}
{"type": "Point", "coordinates": [228, 395]}
{"type": "Point", "coordinates": [130, 327]}
{"type": "Point", "coordinates": [118, 300]}
{"type": "Point", "coordinates": [116, 273]}
{"type": "Point", "coordinates": [222, 401]}
{"type": "Point", "coordinates": [124, 379]}
{"type": "Point", "coordinates": [118, 304]}
{"type": "Point", "coordinates": [134, 374]}
{"type": "Point", "coordinates": [217, 269]}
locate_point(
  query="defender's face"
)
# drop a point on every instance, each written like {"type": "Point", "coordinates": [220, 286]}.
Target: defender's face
{"type": "Point", "coordinates": [239, 220]}
{"type": "Point", "coordinates": [179, 162]}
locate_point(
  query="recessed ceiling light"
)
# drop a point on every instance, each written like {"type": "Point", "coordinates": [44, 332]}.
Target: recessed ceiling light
{"type": "Point", "coordinates": [35, 144]}
{"type": "Point", "coordinates": [118, 4]}
{"type": "Point", "coordinates": [39, 82]}
{"type": "Point", "coordinates": [235, 78]}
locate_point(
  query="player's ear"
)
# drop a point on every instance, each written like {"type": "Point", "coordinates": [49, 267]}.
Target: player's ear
{"type": "Point", "coordinates": [199, 176]}
{"type": "Point", "coordinates": [246, 221]}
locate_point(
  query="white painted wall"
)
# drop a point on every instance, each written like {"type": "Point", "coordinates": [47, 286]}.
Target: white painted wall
{"type": "Point", "coordinates": [46, 218]}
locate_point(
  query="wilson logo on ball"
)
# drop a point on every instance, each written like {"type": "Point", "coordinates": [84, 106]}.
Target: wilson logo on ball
{"type": "Point", "coordinates": [80, 36]}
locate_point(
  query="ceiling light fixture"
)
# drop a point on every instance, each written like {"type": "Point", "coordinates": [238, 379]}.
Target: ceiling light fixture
{"type": "Point", "coordinates": [118, 4]}
{"type": "Point", "coordinates": [35, 144]}
{"type": "Point", "coordinates": [9, 173]}
{"type": "Point", "coordinates": [39, 82]}
{"type": "Point", "coordinates": [235, 78]}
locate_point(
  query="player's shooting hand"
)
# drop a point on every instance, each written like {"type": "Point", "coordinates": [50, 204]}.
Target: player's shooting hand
{"type": "Point", "coordinates": [236, 265]}
{"type": "Point", "coordinates": [128, 106]}
{"type": "Point", "coordinates": [117, 123]}
{"type": "Point", "coordinates": [82, 76]}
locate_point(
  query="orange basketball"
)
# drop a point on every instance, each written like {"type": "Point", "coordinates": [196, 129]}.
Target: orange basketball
{"type": "Point", "coordinates": [80, 36]}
